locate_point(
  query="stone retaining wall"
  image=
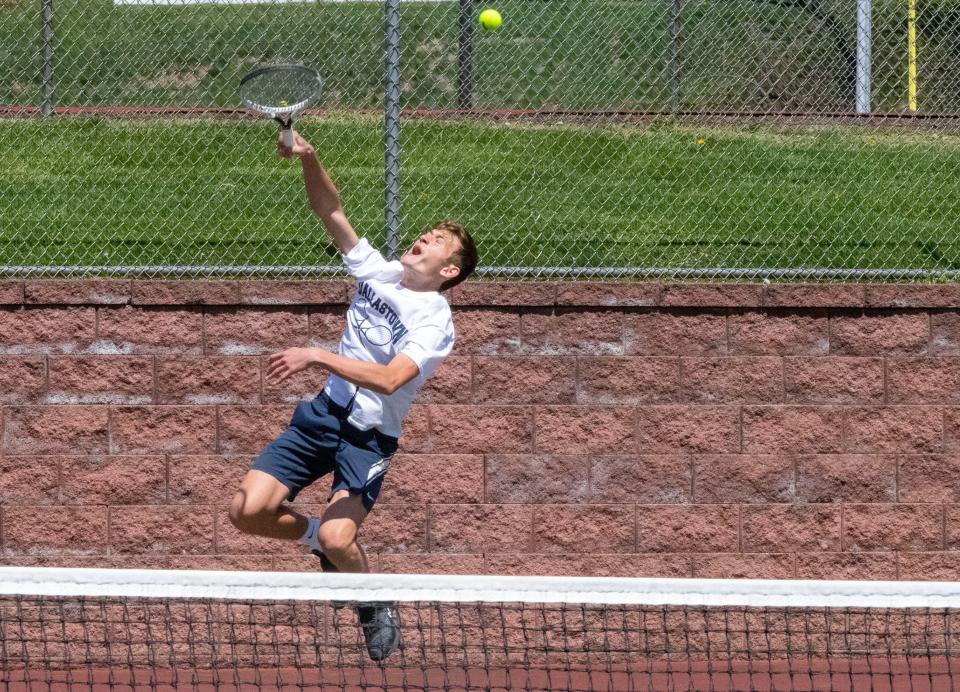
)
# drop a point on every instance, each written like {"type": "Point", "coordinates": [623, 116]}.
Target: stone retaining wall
{"type": "Point", "coordinates": [591, 428]}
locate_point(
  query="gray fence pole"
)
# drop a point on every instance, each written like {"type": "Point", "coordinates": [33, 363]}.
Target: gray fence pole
{"type": "Point", "coordinates": [391, 125]}
{"type": "Point", "coordinates": [46, 105]}
{"type": "Point", "coordinates": [864, 55]}
{"type": "Point", "coordinates": [465, 56]}
{"type": "Point", "coordinates": [674, 59]}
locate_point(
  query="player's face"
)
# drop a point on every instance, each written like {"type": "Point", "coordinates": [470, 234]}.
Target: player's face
{"type": "Point", "coordinates": [431, 253]}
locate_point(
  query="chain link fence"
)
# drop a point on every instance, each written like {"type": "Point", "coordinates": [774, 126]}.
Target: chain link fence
{"type": "Point", "coordinates": [681, 138]}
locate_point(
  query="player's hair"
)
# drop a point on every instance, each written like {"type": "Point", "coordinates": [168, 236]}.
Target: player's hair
{"type": "Point", "coordinates": [465, 256]}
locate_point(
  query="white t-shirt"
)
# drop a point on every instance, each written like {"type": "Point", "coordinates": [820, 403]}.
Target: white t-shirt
{"type": "Point", "coordinates": [383, 320]}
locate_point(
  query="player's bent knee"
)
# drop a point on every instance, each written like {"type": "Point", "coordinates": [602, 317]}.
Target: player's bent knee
{"type": "Point", "coordinates": [336, 541]}
{"type": "Point", "coordinates": [246, 515]}
{"type": "Point", "coordinates": [256, 502]}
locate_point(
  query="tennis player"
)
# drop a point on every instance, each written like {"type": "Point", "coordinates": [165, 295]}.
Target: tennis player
{"type": "Point", "coordinates": [398, 331]}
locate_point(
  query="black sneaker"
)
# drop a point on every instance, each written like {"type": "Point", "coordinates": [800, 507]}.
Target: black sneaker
{"type": "Point", "coordinates": [325, 564]}
{"type": "Point", "coordinates": [381, 629]}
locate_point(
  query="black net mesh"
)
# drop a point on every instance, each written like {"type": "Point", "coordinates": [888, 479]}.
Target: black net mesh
{"type": "Point", "coordinates": [59, 643]}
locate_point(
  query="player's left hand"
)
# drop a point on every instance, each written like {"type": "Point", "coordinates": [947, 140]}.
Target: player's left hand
{"type": "Point", "coordinates": [286, 363]}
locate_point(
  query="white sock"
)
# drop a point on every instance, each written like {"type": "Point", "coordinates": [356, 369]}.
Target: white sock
{"type": "Point", "coordinates": [311, 537]}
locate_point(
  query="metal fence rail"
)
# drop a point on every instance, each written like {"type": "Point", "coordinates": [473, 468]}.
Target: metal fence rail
{"type": "Point", "coordinates": [662, 138]}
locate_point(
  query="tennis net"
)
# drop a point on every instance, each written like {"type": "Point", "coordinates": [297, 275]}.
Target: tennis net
{"type": "Point", "coordinates": [156, 629]}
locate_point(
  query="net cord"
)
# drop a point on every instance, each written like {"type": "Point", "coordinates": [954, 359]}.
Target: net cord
{"type": "Point", "coordinates": [235, 585]}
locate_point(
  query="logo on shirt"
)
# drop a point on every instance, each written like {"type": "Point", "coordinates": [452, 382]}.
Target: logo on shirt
{"type": "Point", "coordinates": [376, 322]}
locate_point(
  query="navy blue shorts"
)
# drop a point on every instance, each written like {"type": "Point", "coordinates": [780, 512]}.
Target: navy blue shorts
{"type": "Point", "coordinates": [318, 441]}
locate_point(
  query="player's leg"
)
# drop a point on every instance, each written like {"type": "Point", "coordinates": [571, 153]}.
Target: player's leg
{"type": "Point", "coordinates": [361, 464]}
{"type": "Point", "coordinates": [295, 459]}
{"type": "Point", "coordinates": [339, 528]}
{"type": "Point", "coordinates": [338, 535]}
{"type": "Point", "coordinates": [257, 508]}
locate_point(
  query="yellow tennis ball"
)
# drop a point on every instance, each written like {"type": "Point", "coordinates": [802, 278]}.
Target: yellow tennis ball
{"type": "Point", "coordinates": [283, 104]}
{"type": "Point", "coordinates": [490, 19]}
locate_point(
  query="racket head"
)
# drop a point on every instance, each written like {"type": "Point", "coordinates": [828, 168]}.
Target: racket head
{"type": "Point", "coordinates": [280, 91]}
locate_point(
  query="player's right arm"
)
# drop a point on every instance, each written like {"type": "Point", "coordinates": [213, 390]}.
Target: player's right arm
{"type": "Point", "coordinates": [321, 193]}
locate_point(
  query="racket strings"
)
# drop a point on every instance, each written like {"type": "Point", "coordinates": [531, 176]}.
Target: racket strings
{"type": "Point", "coordinates": [280, 91]}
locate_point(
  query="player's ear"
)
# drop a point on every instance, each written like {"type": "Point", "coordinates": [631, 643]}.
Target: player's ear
{"type": "Point", "coordinates": [450, 271]}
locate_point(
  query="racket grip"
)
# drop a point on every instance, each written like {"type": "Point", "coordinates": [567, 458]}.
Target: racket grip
{"type": "Point", "coordinates": [287, 137]}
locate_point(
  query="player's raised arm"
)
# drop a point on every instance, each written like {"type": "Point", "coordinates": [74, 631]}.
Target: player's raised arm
{"type": "Point", "coordinates": [321, 193]}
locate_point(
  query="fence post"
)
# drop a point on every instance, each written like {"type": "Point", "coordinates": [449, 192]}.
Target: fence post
{"type": "Point", "coordinates": [674, 59]}
{"type": "Point", "coordinates": [465, 56]}
{"type": "Point", "coordinates": [391, 125]}
{"type": "Point", "coordinates": [864, 54]}
{"type": "Point", "coordinates": [46, 11]}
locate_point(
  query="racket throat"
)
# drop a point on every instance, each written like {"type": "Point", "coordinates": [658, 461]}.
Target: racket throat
{"type": "Point", "coordinates": [286, 131]}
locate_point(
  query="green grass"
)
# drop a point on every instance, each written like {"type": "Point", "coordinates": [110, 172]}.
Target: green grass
{"type": "Point", "coordinates": [187, 192]}
{"type": "Point", "coordinates": [207, 192]}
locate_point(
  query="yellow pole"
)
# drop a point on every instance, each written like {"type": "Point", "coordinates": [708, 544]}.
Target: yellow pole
{"type": "Point", "coordinates": [912, 55]}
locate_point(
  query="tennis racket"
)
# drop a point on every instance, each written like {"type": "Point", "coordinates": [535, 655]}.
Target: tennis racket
{"type": "Point", "coordinates": [281, 92]}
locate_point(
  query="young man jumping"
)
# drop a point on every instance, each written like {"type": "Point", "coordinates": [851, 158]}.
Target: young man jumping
{"type": "Point", "coordinates": [398, 331]}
